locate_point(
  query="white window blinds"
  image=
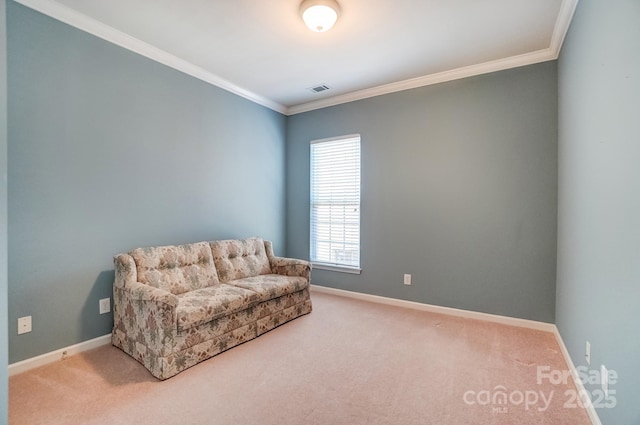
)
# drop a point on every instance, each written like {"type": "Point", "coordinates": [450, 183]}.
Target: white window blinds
{"type": "Point", "coordinates": [335, 201]}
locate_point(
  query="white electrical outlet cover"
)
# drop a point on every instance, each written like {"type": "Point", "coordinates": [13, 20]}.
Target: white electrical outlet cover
{"type": "Point", "coordinates": [105, 305]}
{"type": "Point", "coordinates": [24, 325]}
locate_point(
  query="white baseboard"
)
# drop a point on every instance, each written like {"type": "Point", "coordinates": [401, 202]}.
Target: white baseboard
{"type": "Point", "coordinates": [591, 411]}
{"type": "Point", "coordinates": [53, 356]}
{"type": "Point", "coordinates": [505, 320]}
{"type": "Point", "coordinates": [32, 363]}
{"type": "Point", "coordinates": [513, 321]}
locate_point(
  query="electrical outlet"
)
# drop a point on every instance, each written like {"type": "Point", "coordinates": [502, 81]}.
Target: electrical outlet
{"type": "Point", "coordinates": [407, 279]}
{"type": "Point", "coordinates": [105, 305]}
{"type": "Point", "coordinates": [24, 325]}
{"type": "Point", "coordinates": [587, 353]}
{"type": "Point", "coordinates": [604, 379]}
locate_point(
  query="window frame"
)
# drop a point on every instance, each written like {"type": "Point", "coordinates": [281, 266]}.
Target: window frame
{"type": "Point", "coordinates": [337, 267]}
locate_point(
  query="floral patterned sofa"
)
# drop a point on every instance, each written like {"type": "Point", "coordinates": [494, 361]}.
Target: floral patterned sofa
{"type": "Point", "coordinates": [175, 306]}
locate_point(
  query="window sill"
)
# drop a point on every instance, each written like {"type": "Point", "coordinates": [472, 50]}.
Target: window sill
{"type": "Point", "coordinates": [336, 268]}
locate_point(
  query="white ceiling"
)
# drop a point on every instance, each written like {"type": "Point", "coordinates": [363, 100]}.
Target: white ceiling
{"type": "Point", "coordinates": [262, 50]}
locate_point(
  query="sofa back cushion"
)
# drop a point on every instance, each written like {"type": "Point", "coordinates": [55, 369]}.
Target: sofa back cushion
{"type": "Point", "coordinates": [237, 259]}
{"type": "Point", "coordinates": [176, 268]}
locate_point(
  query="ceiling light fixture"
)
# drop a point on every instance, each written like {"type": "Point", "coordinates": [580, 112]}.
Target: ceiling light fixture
{"type": "Point", "coordinates": [320, 15]}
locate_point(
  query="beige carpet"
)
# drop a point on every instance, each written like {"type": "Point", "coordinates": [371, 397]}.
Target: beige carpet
{"type": "Point", "coordinates": [348, 362]}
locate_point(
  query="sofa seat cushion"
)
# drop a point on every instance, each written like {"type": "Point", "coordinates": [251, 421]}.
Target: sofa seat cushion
{"type": "Point", "coordinates": [237, 259]}
{"type": "Point", "coordinates": [176, 268]}
{"type": "Point", "coordinates": [270, 286]}
{"type": "Point", "coordinates": [204, 305]}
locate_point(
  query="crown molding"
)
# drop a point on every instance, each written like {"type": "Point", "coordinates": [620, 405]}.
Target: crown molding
{"type": "Point", "coordinates": [87, 24]}
{"type": "Point", "coordinates": [565, 15]}
{"type": "Point", "coordinates": [427, 80]}
{"type": "Point", "coordinates": [78, 20]}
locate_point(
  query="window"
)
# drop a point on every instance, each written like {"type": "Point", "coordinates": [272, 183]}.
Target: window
{"type": "Point", "coordinates": [335, 203]}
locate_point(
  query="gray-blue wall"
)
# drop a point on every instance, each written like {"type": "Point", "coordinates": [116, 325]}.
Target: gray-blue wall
{"type": "Point", "coordinates": [109, 151]}
{"type": "Point", "coordinates": [458, 189]}
{"type": "Point", "coordinates": [598, 286]}
{"type": "Point", "coordinates": [3, 218]}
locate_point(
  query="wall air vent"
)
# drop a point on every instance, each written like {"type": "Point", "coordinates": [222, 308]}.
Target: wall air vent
{"type": "Point", "coordinates": [318, 89]}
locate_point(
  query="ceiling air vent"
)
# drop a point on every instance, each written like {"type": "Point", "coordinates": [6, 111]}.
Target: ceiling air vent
{"type": "Point", "coordinates": [320, 88]}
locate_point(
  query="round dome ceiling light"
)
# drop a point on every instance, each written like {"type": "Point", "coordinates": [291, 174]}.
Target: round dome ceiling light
{"type": "Point", "coordinates": [320, 15]}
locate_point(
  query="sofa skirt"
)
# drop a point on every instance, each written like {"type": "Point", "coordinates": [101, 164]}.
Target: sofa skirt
{"type": "Point", "coordinates": [199, 343]}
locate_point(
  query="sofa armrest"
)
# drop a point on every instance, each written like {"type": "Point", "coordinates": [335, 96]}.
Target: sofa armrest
{"type": "Point", "coordinates": [144, 293]}
{"type": "Point", "coordinates": [142, 314]}
{"type": "Point", "coordinates": [145, 315]}
{"type": "Point", "coordinates": [290, 267]}
{"type": "Point", "coordinates": [287, 266]}
{"type": "Point", "coordinates": [126, 272]}
{"type": "Point", "coordinates": [126, 275]}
